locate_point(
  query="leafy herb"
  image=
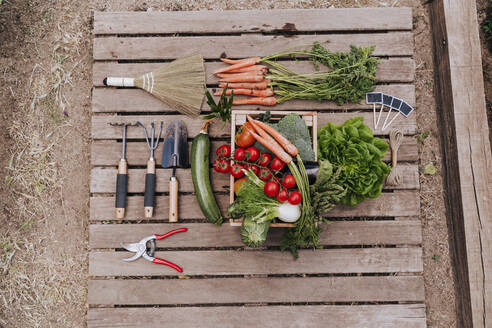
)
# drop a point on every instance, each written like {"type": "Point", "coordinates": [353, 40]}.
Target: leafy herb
{"type": "Point", "coordinates": [350, 75]}
{"type": "Point", "coordinates": [222, 109]}
{"type": "Point", "coordinates": [487, 25]}
{"type": "Point", "coordinates": [324, 194]}
{"type": "Point", "coordinates": [353, 147]}
{"type": "Point", "coordinates": [294, 128]}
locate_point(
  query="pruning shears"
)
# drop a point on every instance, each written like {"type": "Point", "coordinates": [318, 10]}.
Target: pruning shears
{"type": "Point", "coordinates": [147, 253]}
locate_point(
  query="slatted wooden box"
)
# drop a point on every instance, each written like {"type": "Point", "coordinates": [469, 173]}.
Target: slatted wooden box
{"type": "Point", "coordinates": [239, 118]}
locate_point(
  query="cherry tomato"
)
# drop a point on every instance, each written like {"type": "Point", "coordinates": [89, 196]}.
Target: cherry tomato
{"type": "Point", "coordinates": [264, 159]}
{"type": "Point", "coordinates": [237, 171]}
{"type": "Point", "coordinates": [253, 168]}
{"type": "Point", "coordinates": [252, 154]}
{"type": "Point", "coordinates": [239, 184]}
{"type": "Point", "coordinates": [283, 195]}
{"type": "Point", "coordinates": [277, 164]}
{"type": "Point", "coordinates": [295, 197]}
{"type": "Point", "coordinates": [240, 154]}
{"type": "Point", "coordinates": [221, 165]}
{"type": "Point", "coordinates": [288, 181]}
{"type": "Point", "coordinates": [243, 137]}
{"type": "Point", "coordinates": [271, 188]}
{"type": "Point", "coordinates": [265, 175]}
{"type": "Point", "coordinates": [224, 151]}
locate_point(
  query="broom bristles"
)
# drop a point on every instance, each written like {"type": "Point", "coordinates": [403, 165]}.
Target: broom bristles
{"type": "Point", "coordinates": [178, 84]}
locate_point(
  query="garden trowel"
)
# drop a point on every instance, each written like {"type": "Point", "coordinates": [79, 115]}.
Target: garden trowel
{"type": "Point", "coordinates": [175, 155]}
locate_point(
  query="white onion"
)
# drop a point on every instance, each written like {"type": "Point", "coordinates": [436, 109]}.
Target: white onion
{"type": "Point", "coordinates": [288, 212]}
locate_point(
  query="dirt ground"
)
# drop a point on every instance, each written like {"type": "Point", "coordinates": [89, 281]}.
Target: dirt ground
{"type": "Point", "coordinates": [486, 60]}
{"type": "Point", "coordinates": [45, 91]}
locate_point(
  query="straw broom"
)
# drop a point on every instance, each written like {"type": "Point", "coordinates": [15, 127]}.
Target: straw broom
{"type": "Point", "coordinates": [179, 84]}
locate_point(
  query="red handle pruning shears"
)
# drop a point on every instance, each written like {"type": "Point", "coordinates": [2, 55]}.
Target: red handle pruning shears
{"type": "Point", "coordinates": [142, 250]}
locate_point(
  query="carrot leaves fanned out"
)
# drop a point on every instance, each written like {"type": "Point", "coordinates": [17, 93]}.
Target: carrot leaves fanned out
{"type": "Point", "coordinates": [222, 109]}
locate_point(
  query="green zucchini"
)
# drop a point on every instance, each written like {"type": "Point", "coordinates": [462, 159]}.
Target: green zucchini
{"type": "Point", "coordinates": [200, 173]}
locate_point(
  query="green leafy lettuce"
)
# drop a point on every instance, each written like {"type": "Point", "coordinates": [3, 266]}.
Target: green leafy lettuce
{"type": "Point", "coordinates": [353, 147]}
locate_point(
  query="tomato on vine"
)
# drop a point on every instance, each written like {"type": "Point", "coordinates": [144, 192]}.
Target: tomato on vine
{"type": "Point", "coordinates": [252, 154]}
{"type": "Point", "coordinates": [224, 151]}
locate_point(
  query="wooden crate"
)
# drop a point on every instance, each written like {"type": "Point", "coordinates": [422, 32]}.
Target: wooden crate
{"type": "Point", "coordinates": [239, 118]}
{"type": "Point", "coordinates": [369, 272]}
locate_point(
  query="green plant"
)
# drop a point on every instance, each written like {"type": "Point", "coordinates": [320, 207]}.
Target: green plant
{"type": "Point", "coordinates": [487, 25]}
{"type": "Point", "coordinates": [347, 78]}
{"type": "Point", "coordinates": [220, 110]}
{"type": "Point", "coordinates": [353, 146]}
{"type": "Point", "coordinates": [422, 136]}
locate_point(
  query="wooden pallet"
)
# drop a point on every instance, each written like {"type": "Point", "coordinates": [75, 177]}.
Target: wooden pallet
{"type": "Point", "coordinates": [369, 272]}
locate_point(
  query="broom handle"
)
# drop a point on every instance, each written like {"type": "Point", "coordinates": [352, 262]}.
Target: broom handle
{"type": "Point", "coordinates": [119, 81]}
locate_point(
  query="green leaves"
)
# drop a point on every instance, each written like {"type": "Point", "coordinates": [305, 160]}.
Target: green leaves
{"type": "Point", "coordinates": [430, 169]}
{"type": "Point", "coordinates": [222, 109]}
{"type": "Point", "coordinates": [353, 147]}
{"type": "Point", "coordinates": [347, 76]}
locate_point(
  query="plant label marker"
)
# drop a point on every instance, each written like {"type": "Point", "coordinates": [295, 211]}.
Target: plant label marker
{"type": "Point", "coordinates": [395, 104]}
{"type": "Point", "coordinates": [374, 98]}
{"type": "Point", "coordinates": [405, 110]}
{"type": "Point", "coordinates": [387, 99]}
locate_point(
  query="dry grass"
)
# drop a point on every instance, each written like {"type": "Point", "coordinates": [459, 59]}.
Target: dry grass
{"type": "Point", "coordinates": [38, 277]}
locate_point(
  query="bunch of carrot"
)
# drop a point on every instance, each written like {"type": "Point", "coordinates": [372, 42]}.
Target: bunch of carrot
{"type": "Point", "coordinates": [245, 77]}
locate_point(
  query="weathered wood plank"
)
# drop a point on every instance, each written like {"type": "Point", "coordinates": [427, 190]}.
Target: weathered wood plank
{"type": "Point", "coordinates": [389, 70]}
{"type": "Point", "coordinates": [313, 316]}
{"type": "Point", "coordinates": [232, 262]}
{"type": "Point", "coordinates": [244, 21]}
{"type": "Point", "coordinates": [255, 290]}
{"type": "Point", "coordinates": [109, 100]}
{"type": "Point", "coordinates": [107, 153]}
{"type": "Point", "coordinates": [103, 180]}
{"type": "Point", "coordinates": [404, 203]}
{"type": "Point", "coordinates": [212, 47]}
{"type": "Point", "coordinates": [101, 128]}
{"type": "Point", "coordinates": [468, 159]}
{"type": "Point", "coordinates": [208, 235]}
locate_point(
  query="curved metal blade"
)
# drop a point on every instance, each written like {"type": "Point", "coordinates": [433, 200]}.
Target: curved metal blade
{"type": "Point", "coordinates": [175, 152]}
{"type": "Point", "coordinates": [134, 257]}
{"type": "Point", "coordinates": [130, 247]}
{"type": "Point", "coordinates": [133, 248]}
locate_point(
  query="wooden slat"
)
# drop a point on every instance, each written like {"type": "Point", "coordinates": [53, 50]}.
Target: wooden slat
{"type": "Point", "coordinates": [212, 47]}
{"type": "Point", "coordinates": [208, 235]}
{"type": "Point", "coordinates": [241, 21]}
{"type": "Point", "coordinates": [107, 153]}
{"type": "Point", "coordinates": [404, 203]}
{"type": "Point", "coordinates": [101, 128]}
{"type": "Point", "coordinates": [265, 290]}
{"type": "Point", "coordinates": [232, 262]}
{"type": "Point", "coordinates": [103, 180]}
{"type": "Point", "coordinates": [389, 70]}
{"type": "Point", "coordinates": [467, 155]}
{"type": "Point", "coordinates": [109, 100]}
{"type": "Point", "coordinates": [313, 316]}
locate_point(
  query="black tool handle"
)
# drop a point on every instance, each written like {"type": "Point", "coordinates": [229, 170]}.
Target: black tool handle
{"type": "Point", "coordinates": [149, 197]}
{"type": "Point", "coordinates": [121, 189]}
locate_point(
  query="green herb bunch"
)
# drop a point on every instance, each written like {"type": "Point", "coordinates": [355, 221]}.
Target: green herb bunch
{"type": "Point", "coordinates": [222, 109]}
{"type": "Point", "coordinates": [353, 146]}
{"type": "Point", "coordinates": [324, 194]}
{"type": "Point", "coordinates": [348, 77]}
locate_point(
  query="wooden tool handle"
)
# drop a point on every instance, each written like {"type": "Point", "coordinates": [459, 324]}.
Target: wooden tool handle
{"type": "Point", "coordinates": [173, 199]}
{"type": "Point", "coordinates": [149, 196]}
{"type": "Point", "coordinates": [121, 189]}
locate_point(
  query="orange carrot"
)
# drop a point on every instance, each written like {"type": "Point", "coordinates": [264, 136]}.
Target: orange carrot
{"type": "Point", "coordinates": [257, 85]}
{"type": "Point", "coordinates": [232, 61]}
{"type": "Point", "coordinates": [247, 92]}
{"type": "Point", "coordinates": [244, 78]}
{"type": "Point", "coordinates": [272, 145]}
{"type": "Point", "coordinates": [253, 73]}
{"type": "Point", "coordinates": [244, 63]}
{"type": "Point", "coordinates": [253, 68]}
{"type": "Point", "coordinates": [283, 141]}
{"type": "Point", "coordinates": [265, 101]}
